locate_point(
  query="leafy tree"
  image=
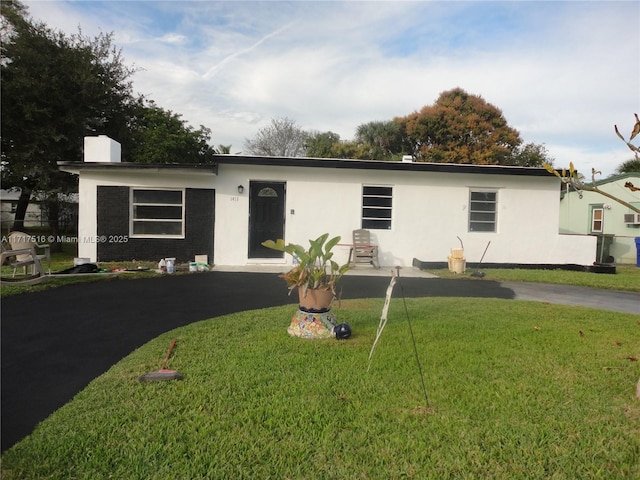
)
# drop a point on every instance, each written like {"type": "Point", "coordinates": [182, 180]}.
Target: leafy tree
{"type": "Point", "coordinates": [329, 145]}
{"type": "Point", "coordinates": [382, 139]}
{"type": "Point", "coordinates": [576, 181]}
{"type": "Point", "coordinates": [629, 166]}
{"type": "Point", "coordinates": [531, 155]}
{"type": "Point", "coordinates": [282, 137]}
{"type": "Point", "coordinates": [55, 90]}
{"type": "Point", "coordinates": [350, 149]}
{"type": "Point", "coordinates": [460, 128]}
{"type": "Point", "coordinates": [161, 136]}
{"type": "Point", "coordinates": [321, 144]}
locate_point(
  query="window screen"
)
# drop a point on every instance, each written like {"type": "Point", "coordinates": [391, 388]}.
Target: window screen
{"type": "Point", "coordinates": [482, 211]}
{"type": "Point", "coordinates": [157, 213]}
{"type": "Point", "coordinates": [377, 203]}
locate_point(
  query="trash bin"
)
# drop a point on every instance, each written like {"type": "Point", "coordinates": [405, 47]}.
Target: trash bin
{"type": "Point", "coordinates": [603, 248]}
{"type": "Point", "coordinates": [637, 251]}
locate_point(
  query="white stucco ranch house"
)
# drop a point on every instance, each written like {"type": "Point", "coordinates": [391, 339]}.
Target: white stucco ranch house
{"type": "Point", "coordinates": [414, 211]}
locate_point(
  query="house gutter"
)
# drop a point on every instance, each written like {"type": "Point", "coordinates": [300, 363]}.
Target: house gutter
{"type": "Point", "coordinates": [306, 162]}
{"type": "Point", "coordinates": [77, 167]}
{"type": "Point", "coordinates": [339, 163]}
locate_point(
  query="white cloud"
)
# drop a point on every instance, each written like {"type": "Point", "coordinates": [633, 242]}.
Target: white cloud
{"type": "Point", "coordinates": [586, 159]}
{"type": "Point", "coordinates": [173, 38]}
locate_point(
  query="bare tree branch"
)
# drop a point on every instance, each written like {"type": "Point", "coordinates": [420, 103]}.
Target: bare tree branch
{"type": "Point", "coordinates": [574, 180]}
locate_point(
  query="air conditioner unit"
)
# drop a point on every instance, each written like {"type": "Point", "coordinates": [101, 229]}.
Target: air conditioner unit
{"type": "Point", "coordinates": [632, 218]}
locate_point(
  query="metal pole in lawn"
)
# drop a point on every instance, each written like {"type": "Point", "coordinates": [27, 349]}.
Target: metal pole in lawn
{"type": "Point", "coordinates": [413, 340]}
{"type": "Point", "coordinates": [383, 321]}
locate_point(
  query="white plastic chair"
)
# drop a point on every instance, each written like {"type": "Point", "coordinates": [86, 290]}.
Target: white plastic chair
{"type": "Point", "coordinates": [20, 241]}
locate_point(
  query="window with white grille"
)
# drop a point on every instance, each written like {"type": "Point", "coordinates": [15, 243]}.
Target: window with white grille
{"type": "Point", "coordinates": [482, 211]}
{"type": "Point", "coordinates": [597, 220]}
{"type": "Point", "coordinates": [157, 213]}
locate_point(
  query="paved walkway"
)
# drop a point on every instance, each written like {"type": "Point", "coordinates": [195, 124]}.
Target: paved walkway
{"type": "Point", "coordinates": [56, 341]}
{"type": "Point", "coordinates": [615, 301]}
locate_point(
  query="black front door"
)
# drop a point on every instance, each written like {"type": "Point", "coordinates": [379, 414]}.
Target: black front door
{"type": "Point", "coordinates": [266, 217]}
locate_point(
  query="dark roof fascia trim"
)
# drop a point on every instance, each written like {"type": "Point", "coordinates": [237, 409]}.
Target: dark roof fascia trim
{"type": "Point", "coordinates": [202, 167]}
{"type": "Point", "coordinates": [380, 165]}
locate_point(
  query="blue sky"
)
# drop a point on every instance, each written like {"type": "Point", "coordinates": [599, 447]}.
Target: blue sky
{"type": "Point", "coordinates": [563, 73]}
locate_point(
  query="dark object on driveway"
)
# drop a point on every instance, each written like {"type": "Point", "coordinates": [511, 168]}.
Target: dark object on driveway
{"type": "Point", "coordinates": [84, 268]}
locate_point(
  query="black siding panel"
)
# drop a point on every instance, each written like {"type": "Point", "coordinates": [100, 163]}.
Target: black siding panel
{"type": "Point", "coordinates": [113, 224]}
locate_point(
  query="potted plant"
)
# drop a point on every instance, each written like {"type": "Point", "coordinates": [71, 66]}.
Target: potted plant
{"type": "Point", "coordinates": [315, 274]}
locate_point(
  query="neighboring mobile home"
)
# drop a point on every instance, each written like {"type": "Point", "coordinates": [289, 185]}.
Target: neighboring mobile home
{"type": "Point", "coordinates": [225, 210]}
{"type": "Point", "coordinates": [37, 215]}
{"type": "Point", "coordinates": [613, 224]}
{"type": "Point", "coordinates": [34, 217]}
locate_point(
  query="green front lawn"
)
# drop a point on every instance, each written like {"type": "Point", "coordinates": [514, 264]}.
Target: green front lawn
{"type": "Point", "coordinates": [515, 390]}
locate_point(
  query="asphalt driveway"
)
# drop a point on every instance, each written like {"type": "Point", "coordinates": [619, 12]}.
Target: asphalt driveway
{"type": "Point", "coordinates": [56, 341]}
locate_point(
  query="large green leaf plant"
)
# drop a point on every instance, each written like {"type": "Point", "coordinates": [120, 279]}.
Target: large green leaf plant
{"type": "Point", "coordinates": [314, 267]}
